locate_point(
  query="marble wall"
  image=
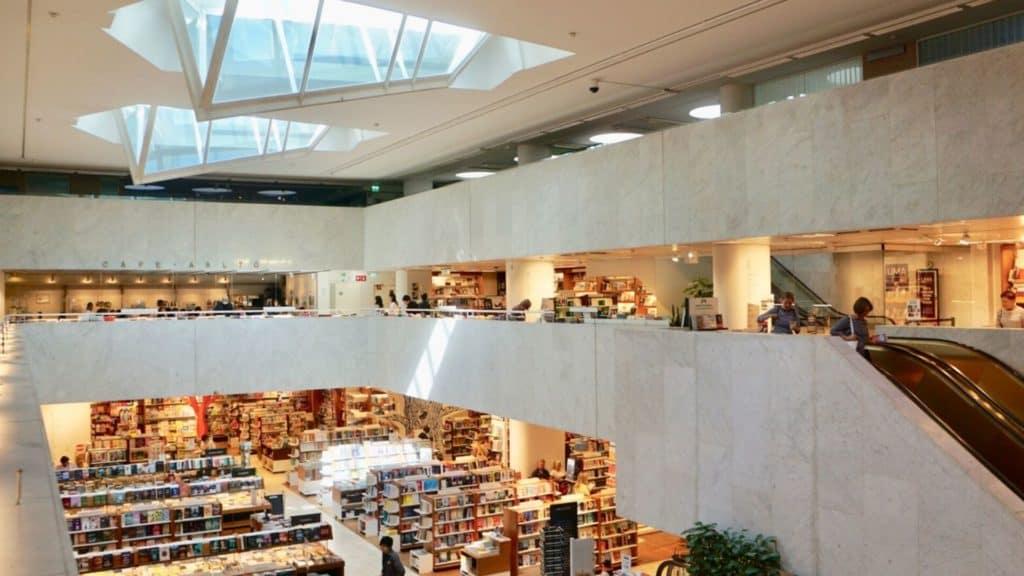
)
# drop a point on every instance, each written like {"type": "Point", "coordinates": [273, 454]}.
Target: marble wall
{"type": "Point", "coordinates": [933, 144]}
{"type": "Point", "coordinates": [1005, 344]}
{"type": "Point", "coordinates": [792, 436]}
{"type": "Point", "coordinates": [39, 233]}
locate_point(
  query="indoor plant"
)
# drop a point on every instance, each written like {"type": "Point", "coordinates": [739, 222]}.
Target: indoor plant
{"type": "Point", "coordinates": [699, 288]}
{"type": "Point", "coordinates": [724, 552]}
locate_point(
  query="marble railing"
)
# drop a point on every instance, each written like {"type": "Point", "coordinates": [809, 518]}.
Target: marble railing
{"type": "Point", "coordinates": [796, 437]}
{"type": "Point", "coordinates": [1005, 344]}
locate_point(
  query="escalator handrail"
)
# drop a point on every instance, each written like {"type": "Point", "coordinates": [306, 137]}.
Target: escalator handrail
{"type": "Point", "coordinates": [1016, 420]}
{"type": "Point", "coordinates": [967, 385]}
{"type": "Point", "coordinates": [1018, 490]}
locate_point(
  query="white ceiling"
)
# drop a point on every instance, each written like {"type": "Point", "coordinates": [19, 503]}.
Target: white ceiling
{"type": "Point", "coordinates": [74, 68]}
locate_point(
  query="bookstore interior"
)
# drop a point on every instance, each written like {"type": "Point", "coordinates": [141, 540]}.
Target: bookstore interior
{"type": "Point", "coordinates": [196, 485]}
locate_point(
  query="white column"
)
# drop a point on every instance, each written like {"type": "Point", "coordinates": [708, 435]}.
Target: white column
{"type": "Point", "coordinates": [529, 153]}
{"type": "Point", "coordinates": [3, 286]}
{"type": "Point", "coordinates": [742, 278]}
{"type": "Point", "coordinates": [533, 279]}
{"type": "Point", "coordinates": [735, 97]}
{"type": "Point", "coordinates": [401, 285]}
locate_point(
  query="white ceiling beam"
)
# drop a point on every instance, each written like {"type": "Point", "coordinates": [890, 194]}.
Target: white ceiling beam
{"type": "Point", "coordinates": [309, 52]}
{"type": "Point", "coordinates": [219, 47]}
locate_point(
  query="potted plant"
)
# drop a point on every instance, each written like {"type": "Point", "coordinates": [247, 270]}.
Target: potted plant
{"type": "Point", "coordinates": [699, 288]}
{"type": "Point", "coordinates": [724, 552]}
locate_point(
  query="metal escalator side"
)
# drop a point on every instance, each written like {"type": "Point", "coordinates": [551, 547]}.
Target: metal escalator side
{"type": "Point", "coordinates": [997, 383]}
{"type": "Point", "coordinates": [953, 402]}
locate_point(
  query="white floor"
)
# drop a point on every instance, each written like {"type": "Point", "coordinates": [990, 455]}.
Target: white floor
{"type": "Point", "coordinates": [361, 557]}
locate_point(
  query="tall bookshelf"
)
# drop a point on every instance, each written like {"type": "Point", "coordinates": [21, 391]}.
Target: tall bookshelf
{"type": "Point", "coordinates": [449, 523]}
{"type": "Point", "coordinates": [523, 524]}
{"type": "Point", "coordinates": [616, 536]}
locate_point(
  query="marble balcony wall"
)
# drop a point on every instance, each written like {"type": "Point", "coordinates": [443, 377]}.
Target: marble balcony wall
{"type": "Point", "coordinates": [933, 144]}
{"type": "Point", "coordinates": [1005, 344]}
{"type": "Point", "coordinates": [42, 233]}
{"type": "Point", "coordinates": [820, 450]}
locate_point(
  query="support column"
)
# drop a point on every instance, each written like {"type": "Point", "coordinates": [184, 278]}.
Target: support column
{"type": "Point", "coordinates": [530, 153]}
{"type": "Point", "coordinates": [533, 279]}
{"type": "Point", "coordinates": [735, 97]}
{"type": "Point", "coordinates": [417, 184]}
{"type": "Point", "coordinates": [3, 286]}
{"type": "Point", "coordinates": [401, 285]}
{"type": "Point", "coordinates": [742, 278]}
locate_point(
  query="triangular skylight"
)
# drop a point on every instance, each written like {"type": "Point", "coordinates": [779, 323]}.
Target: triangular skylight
{"type": "Point", "coordinates": [163, 142]}
{"type": "Point", "coordinates": [245, 56]}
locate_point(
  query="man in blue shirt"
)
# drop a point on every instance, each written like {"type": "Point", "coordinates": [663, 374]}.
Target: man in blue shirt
{"type": "Point", "coordinates": [785, 317]}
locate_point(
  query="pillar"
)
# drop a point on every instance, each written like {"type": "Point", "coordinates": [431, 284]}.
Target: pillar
{"type": "Point", "coordinates": [742, 278]}
{"type": "Point", "coordinates": [3, 286]}
{"type": "Point", "coordinates": [401, 285]}
{"type": "Point", "coordinates": [533, 279]}
{"type": "Point", "coordinates": [735, 97]}
{"type": "Point", "coordinates": [529, 153]}
{"type": "Point", "coordinates": [528, 443]}
{"type": "Point", "coordinates": [417, 184]}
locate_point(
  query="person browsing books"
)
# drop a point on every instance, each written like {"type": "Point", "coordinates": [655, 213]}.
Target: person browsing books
{"type": "Point", "coordinates": [541, 471]}
{"type": "Point", "coordinates": [1010, 315]}
{"type": "Point", "coordinates": [785, 317]}
{"type": "Point", "coordinates": [391, 563]}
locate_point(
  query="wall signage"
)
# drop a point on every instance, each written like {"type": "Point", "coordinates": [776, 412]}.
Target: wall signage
{"type": "Point", "coordinates": [928, 292]}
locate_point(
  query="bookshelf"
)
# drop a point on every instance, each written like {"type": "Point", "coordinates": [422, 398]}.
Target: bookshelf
{"type": "Point", "coordinates": [523, 524]}
{"type": "Point", "coordinates": [616, 536]}
{"type": "Point", "coordinates": [449, 520]}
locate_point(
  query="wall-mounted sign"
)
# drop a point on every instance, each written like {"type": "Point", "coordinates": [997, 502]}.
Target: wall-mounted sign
{"type": "Point", "coordinates": [360, 277]}
{"type": "Point", "coordinates": [897, 277]}
{"type": "Point", "coordinates": [928, 292]}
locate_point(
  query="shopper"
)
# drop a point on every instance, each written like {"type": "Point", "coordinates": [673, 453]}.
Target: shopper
{"type": "Point", "coordinates": [606, 568]}
{"type": "Point", "coordinates": [785, 317]}
{"type": "Point", "coordinates": [378, 303]}
{"type": "Point", "coordinates": [854, 329]}
{"type": "Point", "coordinates": [1010, 315]}
{"type": "Point", "coordinates": [393, 308]}
{"type": "Point", "coordinates": [65, 463]}
{"type": "Point", "coordinates": [424, 303]}
{"type": "Point", "coordinates": [391, 563]}
{"type": "Point", "coordinates": [541, 471]}
{"type": "Point", "coordinates": [89, 315]}
{"type": "Point", "coordinates": [518, 312]}
{"type": "Point", "coordinates": [406, 304]}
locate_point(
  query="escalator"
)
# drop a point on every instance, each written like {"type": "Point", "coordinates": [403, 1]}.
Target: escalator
{"type": "Point", "coordinates": [807, 300]}
{"type": "Point", "coordinates": [976, 398]}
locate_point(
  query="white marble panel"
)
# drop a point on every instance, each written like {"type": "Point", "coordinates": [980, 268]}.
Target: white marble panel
{"type": "Point", "coordinates": [83, 361]}
{"type": "Point", "coordinates": [287, 238]}
{"type": "Point", "coordinates": [1004, 344]}
{"type": "Point", "coordinates": [423, 229]}
{"type": "Point", "coordinates": [87, 233]}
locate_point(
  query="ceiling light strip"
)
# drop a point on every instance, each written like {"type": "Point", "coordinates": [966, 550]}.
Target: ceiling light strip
{"type": "Point", "coordinates": [309, 52]}
{"type": "Point", "coordinates": [394, 51]}
{"type": "Point", "coordinates": [219, 47]}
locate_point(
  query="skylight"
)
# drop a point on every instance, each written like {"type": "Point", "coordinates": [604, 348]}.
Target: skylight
{"type": "Point", "coordinates": [163, 142]}
{"type": "Point", "coordinates": [244, 56]}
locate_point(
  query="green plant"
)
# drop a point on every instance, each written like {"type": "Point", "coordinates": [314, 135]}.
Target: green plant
{"type": "Point", "coordinates": [715, 552]}
{"type": "Point", "coordinates": [699, 288]}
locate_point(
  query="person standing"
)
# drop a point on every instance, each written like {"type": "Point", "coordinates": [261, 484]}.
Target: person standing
{"type": "Point", "coordinates": [393, 309]}
{"type": "Point", "coordinates": [786, 318]}
{"type": "Point", "coordinates": [1010, 315]}
{"type": "Point", "coordinates": [391, 563]}
{"type": "Point", "coordinates": [541, 471]}
{"type": "Point", "coordinates": [855, 328]}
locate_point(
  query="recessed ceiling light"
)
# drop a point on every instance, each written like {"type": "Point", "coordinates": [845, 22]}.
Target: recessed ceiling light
{"type": "Point", "coordinates": [211, 190]}
{"type": "Point", "coordinates": [614, 137]}
{"type": "Point", "coordinates": [276, 192]}
{"type": "Point", "coordinates": [143, 187]}
{"type": "Point", "coordinates": [675, 258]}
{"type": "Point", "coordinates": [708, 112]}
{"type": "Point", "coordinates": [471, 174]}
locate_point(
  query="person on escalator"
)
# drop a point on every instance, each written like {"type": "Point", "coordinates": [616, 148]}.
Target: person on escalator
{"type": "Point", "coordinates": [854, 329]}
{"type": "Point", "coordinates": [1010, 315]}
{"type": "Point", "coordinates": [785, 318]}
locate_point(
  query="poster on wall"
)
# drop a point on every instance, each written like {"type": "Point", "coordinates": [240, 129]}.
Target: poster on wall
{"type": "Point", "coordinates": [928, 292]}
{"type": "Point", "coordinates": [897, 277]}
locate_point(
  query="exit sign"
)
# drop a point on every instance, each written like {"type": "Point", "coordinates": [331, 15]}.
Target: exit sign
{"type": "Point", "coordinates": [360, 277]}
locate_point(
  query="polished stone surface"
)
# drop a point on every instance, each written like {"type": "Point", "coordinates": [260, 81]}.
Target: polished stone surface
{"type": "Point", "coordinates": [792, 436]}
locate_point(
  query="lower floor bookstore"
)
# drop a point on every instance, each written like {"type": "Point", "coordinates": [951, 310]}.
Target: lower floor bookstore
{"type": "Point", "coordinates": [308, 483]}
